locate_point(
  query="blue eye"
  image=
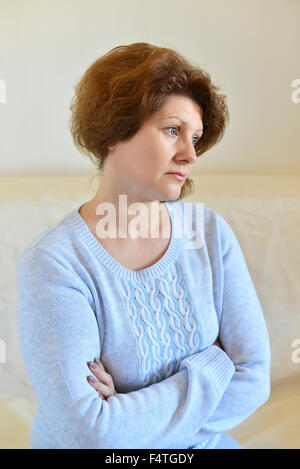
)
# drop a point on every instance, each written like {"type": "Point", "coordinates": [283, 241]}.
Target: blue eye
{"type": "Point", "coordinates": [172, 128]}
{"type": "Point", "coordinates": [178, 128]}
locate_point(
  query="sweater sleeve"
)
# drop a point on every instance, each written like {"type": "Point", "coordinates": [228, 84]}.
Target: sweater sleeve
{"type": "Point", "coordinates": [244, 337]}
{"type": "Point", "coordinates": [58, 333]}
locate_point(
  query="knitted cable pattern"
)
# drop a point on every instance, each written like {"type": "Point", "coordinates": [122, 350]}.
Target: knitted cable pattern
{"type": "Point", "coordinates": [164, 321]}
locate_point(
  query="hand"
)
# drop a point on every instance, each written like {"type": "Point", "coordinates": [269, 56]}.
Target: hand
{"type": "Point", "coordinates": [217, 343]}
{"type": "Point", "coordinates": [103, 383]}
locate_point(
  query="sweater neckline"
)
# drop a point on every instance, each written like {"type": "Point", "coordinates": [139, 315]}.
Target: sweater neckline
{"type": "Point", "coordinates": [81, 228]}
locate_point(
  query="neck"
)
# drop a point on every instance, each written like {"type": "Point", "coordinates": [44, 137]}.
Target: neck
{"type": "Point", "coordinates": [128, 219]}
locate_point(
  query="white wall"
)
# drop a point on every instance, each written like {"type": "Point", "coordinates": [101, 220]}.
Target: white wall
{"type": "Point", "coordinates": [251, 49]}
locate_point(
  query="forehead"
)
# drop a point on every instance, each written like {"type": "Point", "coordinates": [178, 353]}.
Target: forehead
{"type": "Point", "coordinates": [183, 107]}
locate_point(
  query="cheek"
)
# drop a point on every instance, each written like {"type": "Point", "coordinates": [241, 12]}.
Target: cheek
{"type": "Point", "coordinates": [157, 154]}
{"type": "Point", "coordinates": [149, 157]}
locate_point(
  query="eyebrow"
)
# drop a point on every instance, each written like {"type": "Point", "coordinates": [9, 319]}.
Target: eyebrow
{"type": "Point", "coordinates": [179, 118]}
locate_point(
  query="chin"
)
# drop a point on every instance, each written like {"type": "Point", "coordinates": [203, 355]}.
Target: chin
{"type": "Point", "coordinates": [168, 192]}
{"type": "Point", "coordinates": [176, 197]}
{"type": "Point", "coordinates": [175, 190]}
{"type": "Point", "coordinates": [172, 195]}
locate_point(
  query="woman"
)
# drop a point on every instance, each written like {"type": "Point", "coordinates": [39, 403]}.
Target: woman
{"type": "Point", "coordinates": [172, 332]}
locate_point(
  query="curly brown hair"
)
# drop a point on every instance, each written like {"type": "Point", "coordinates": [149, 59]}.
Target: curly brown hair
{"type": "Point", "coordinates": [122, 88]}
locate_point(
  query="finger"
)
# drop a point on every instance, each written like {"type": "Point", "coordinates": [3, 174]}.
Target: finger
{"type": "Point", "coordinates": [106, 376]}
{"type": "Point", "coordinates": [99, 387]}
{"type": "Point", "coordinates": [99, 372]}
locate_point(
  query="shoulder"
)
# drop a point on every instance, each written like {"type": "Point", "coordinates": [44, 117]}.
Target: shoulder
{"type": "Point", "coordinates": [197, 210]}
{"type": "Point", "coordinates": [55, 243]}
{"type": "Point", "coordinates": [214, 228]}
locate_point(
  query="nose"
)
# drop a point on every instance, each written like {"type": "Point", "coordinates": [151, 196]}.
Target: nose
{"type": "Point", "coordinates": [186, 152]}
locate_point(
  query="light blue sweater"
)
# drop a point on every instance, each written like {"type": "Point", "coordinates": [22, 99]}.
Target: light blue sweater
{"type": "Point", "coordinates": [152, 329]}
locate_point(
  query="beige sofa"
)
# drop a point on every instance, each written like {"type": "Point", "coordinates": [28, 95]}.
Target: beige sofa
{"type": "Point", "coordinates": [264, 212]}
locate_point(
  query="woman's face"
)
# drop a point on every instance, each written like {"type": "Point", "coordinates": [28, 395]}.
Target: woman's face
{"type": "Point", "coordinates": [139, 167]}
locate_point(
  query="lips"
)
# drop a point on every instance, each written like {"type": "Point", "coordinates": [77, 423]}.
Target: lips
{"type": "Point", "coordinates": [179, 174]}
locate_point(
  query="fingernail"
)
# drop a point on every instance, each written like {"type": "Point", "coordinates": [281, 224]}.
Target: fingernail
{"type": "Point", "coordinates": [92, 379]}
{"type": "Point", "coordinates": [92, 365]}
